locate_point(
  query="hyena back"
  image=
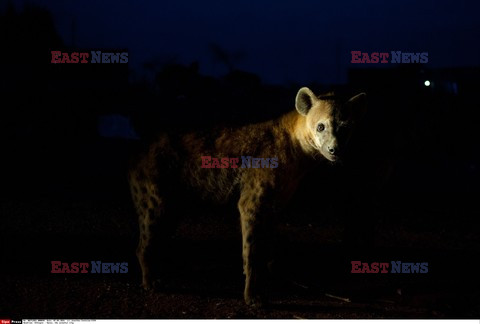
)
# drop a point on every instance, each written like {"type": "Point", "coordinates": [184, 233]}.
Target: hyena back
{"type": "Point", "coordinates": [314, 134]}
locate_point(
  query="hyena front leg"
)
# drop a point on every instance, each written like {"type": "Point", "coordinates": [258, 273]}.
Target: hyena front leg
{"type": "Point", "coordinates": [253, 217]}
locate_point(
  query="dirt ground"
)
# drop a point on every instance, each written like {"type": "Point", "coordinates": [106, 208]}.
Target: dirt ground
{"type": "Point", "coordinates": [311, 277]}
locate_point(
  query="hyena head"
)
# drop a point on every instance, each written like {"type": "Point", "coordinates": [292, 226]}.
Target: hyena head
{"type": "Point", "coordinates": [329, 120]}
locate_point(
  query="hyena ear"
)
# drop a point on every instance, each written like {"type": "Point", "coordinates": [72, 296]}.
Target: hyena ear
{"type": "Point", "coordinates": [304, 100]}
{"type": "Point", "coordinates": [357, 106]}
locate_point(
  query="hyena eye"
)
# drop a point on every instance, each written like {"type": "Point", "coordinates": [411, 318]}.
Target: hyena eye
{"type": "Point", "coordinates": [320, 127]}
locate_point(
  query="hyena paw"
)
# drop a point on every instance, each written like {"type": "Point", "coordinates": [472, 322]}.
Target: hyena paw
{"type": "Point", "coordinates": [153, 285]}
{"type": "Point", "coordinates": [255, 301]}
{"type": "Point", "coordinates": [147, 285]}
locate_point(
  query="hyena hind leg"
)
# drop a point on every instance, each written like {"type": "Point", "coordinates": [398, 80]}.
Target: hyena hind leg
{"type": "Point", "coordinates": [156, 226]}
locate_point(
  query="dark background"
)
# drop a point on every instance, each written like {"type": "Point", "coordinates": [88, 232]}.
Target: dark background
{"type": "Point", "coordinates": [408, 192]}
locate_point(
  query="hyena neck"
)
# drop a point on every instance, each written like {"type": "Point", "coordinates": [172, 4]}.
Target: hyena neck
{"type": "Point", "coordinates": [296, 126]}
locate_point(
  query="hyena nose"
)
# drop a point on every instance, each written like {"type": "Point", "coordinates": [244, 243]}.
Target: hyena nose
{"type": "Point", "coordinates": [331, 150]}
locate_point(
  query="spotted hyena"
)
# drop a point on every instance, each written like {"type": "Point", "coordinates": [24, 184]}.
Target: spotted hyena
{"type": "Point", "coordinates": [313, 135]}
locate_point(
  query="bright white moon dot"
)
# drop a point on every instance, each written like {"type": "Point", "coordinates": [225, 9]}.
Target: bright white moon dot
{"type": "Point", "coordinates": [427, 83]}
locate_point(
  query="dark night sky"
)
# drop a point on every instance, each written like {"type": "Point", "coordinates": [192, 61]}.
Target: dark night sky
{"type": "Point", "coordinates": [282, 41]}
